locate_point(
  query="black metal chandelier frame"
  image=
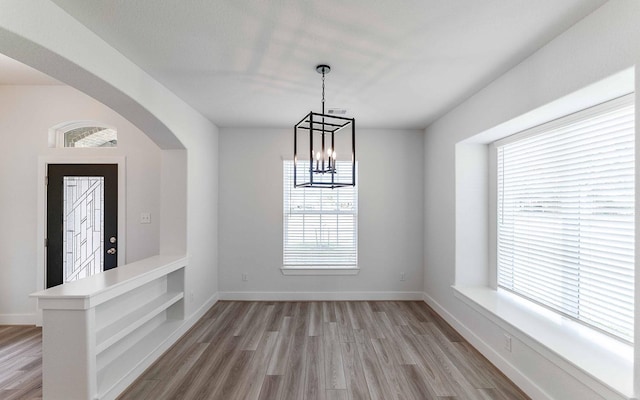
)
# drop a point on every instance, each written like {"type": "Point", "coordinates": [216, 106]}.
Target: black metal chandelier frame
{"type": "Point", "coordinates": [327, 126]}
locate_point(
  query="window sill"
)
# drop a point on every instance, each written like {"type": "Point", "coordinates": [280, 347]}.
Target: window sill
{"type": "Point", "coordinates": [596, 360]}
{"type": "Point", "coordinates": [320, 270]}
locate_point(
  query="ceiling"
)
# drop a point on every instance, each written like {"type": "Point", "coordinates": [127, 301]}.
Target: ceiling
{"type": "Point", "coordinates": [400, 64]}
{"type": "Point", "coordinates": [13, 72]}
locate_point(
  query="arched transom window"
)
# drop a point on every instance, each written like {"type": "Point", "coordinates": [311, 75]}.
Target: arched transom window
{"type": "Point", "coordinates": [91, 136]}
{"type": "Point", "coordinates": [84, 134]}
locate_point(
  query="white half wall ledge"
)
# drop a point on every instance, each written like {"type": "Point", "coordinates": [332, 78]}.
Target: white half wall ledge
{"type": "Point", "coordinates": [321, 296]}
{"type": "Point", "coordinates": [166, 345]}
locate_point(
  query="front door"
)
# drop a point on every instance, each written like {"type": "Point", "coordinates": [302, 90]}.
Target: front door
{"type": "Point", "coordinates": [82, 221]}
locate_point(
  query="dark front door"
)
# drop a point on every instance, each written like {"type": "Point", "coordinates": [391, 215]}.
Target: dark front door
{"type": "Point", "coordinates": [82, 220]}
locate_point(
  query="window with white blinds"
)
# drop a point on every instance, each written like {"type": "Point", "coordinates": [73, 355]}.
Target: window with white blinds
{"type": "Point", "coordinates": [320, 225]}
{"type": "Point", "coordinates": [566, 216]}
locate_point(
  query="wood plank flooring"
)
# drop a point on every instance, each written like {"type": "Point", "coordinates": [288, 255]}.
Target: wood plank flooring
{"type": "Point", "coordinates": [322, 350]}
{"type": "Point", "coordinates": [294, 350]}
{"type": "Point", "coordinates": [20, 363]}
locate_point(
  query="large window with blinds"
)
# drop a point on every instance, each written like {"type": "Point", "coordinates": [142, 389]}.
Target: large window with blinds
{"type": "Point", "coordinates": [566, 216]}
{"type": "Point", "coordinates": [320, 225]}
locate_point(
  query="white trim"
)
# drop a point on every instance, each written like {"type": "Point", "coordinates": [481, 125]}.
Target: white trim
{"type": "Point", "coordinates": [611, 87]}
{"type": "Point", "coordinates": [521, 380]}
{"type": "Point", "coordinates": [319, 271]}
{"type": "Point", "coordinates": [17, 319]}
{"type": "Point", "coordinates": [498, 310]}
{"type": "Point", "coordinates": [94, 290]}
{"type": "Point", "coordinates": [566, 120]}
{"type": "Point", "coordinates": [320, 296]}
{"type": "Point", "coordinates": [88, 157]}
{"type": "Point", "coordinates": [116, 390]}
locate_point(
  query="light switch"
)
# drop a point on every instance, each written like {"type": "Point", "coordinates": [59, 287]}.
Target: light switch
{"type": "Point", "coordinates": [145, 218]}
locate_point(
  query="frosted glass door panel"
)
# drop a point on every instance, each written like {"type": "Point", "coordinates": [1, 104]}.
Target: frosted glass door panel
{"type": "Point", "coordinates": [83, 222]}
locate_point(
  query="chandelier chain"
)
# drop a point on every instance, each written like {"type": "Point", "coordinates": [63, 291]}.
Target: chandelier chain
{"type": "Point", "coordinates": [323, 91]}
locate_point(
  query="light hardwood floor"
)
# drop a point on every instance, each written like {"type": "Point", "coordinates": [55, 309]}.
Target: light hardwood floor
{"type": "Point", "coordinates": [322, 350]}
{"type": "Point", "coordinates": [294, 350]}
{"type": "Point", "coordinates": [20, 362]}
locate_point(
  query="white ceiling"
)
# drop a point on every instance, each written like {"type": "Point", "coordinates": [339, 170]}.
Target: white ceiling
{"type": "Point", "coordinates": [13, 72]}
{"type": "Point", "coordinates": [394, 64]}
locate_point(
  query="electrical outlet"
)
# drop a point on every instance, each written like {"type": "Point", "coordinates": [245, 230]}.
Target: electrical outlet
{"type": "Point", "coordinates": [145, 218]}
{"type": "Point", "coordinates": [245, 277]}
{"type": "Point", "coordinates": [507, 343]}
{"type": "Point", "coordinates": [402, 276]}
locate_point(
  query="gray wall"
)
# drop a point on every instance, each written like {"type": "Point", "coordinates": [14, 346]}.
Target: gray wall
{"type": "Point", "coordinates": [604, 43]}
{"type": "Point", "coordinates": [26, 114]}
{"type": "Point", "coordinates": [390, 192]}
{"type": "Point", "coordinates": [45, 37]}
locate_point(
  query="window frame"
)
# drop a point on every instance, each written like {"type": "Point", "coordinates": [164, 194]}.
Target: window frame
{"type": "Point", "coordinates": [56, 137]}
{"type": "Point", "coordinates": [576, 116]}
{"type": "Point", "coordinates": [596, 360]}
{"type": "Point", "coordinates": [314, 270]}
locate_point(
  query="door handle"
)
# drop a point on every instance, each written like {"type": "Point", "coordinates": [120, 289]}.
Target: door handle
{"type": "Point", "coordinates": [112, 239]}
{"type": "Point", "coordinates": [111, 251]}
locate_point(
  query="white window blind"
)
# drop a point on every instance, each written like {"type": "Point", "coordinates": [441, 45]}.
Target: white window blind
{"type": "Point", "coordinates": [566, 216]}
{"type": "Point", "coordinates": [320, 225]}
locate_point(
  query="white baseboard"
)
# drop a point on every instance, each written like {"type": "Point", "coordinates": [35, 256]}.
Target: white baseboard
{"type": "Point", "coordinates": [319, 296]}
{"type": "Point", "coordinates": [193, 318]}
{"type": "Point", "coordinates": [17, 319]}
{"type": "Point", "coordinates": [164, 346]}
{"type": "Point", "coordinates": [523, 382]}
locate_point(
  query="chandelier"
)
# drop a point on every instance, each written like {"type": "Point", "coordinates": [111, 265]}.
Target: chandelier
{"type": "Point", "coordinates": [326, 137]}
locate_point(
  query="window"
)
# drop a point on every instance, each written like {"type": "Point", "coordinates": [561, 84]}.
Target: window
{"type": "Point", "coordinates": [91, 136]}
{"type": "Point", "coordinates": [83, 134]}
{"type": "Point", "coordinates": [566, 194]}
{"type": "Point", "coordinates": [320, 225]}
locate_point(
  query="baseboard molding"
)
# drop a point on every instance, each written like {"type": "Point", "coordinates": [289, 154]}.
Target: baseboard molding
{"type": "Point", "coordinates": [17, 319]}
{"type": "Point", "coordinates": [196, 315]}
{"type": "Point", "coordinates": [164, 346]}
{"type": "Point", "coordinates": [523, 382]}
{"type": "Point", "coordinates": [319, 296]}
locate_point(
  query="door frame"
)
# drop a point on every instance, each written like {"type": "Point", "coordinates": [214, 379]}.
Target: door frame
{"type": "Point", "coordinates": [43, 163]}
